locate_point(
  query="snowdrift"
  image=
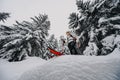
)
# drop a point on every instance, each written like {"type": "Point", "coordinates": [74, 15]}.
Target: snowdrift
{"type": "Point", "coordinates": [77, 68]}
{"type": "Point", "coordinates": [13, 70]}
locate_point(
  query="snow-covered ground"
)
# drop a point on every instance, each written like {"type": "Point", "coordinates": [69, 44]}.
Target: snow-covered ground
{"type": "Point", "coordinates": [68, 67]}
{"type": "Point", "coordinates": [78, 68]}
{"type": "Point", "coordinates": [13, 70]}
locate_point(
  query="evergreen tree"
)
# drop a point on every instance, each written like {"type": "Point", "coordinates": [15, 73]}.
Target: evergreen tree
{"type": "Point", "coordinates": [24, 39]}
{"type": "Point", "coordinates": [4, 16]}
{"type": "Point", "coordinates": [51, 43]}
{"type": "Point", "coordinates": [96, 21]}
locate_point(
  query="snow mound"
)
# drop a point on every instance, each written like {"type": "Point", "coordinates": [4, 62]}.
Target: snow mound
{"type": "Point", "coordinates": [13, 70]}
{"type": "Point", "coordinates": [71, 67]}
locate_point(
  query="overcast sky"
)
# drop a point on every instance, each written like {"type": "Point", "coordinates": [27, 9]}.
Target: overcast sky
{"type": "Point", "coordinates": [57, 10]}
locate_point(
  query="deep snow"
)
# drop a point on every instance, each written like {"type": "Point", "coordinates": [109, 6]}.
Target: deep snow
{"type": "Point", "coordinates": [71, 67]}
{"type": "Point", "coordinates": [68, 67]}
{"type": "Point", "coordinates": [13, 70]}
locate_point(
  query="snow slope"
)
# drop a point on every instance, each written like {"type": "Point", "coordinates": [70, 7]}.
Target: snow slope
{"type": "Point", "coordinates": [71, 67]}
{"type": "Point", "coordinates": [13, 70]}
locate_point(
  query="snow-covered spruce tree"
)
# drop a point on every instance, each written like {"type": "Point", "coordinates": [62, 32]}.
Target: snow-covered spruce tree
{"type": "Point", "coordinates": [24, 39]}
{"type": "Point", "coordinates": [93, 22]}
{"type": "Point", "coordinates": [4, 16]}
{"type": "Point", "coordinates": [52, 43]}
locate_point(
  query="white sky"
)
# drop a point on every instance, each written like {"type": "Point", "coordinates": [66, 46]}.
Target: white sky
{"type": "Point", "coordinates": [57, 10]}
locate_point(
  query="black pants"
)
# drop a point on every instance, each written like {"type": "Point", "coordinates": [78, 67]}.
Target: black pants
{"type": "Point", "coordinates": [72, 48]}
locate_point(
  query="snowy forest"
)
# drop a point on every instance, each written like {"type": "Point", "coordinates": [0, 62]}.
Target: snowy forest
{"type": "Point", "coordinates": [96, 26]}
{"type": "Point", "coordinates": [26, 38]}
